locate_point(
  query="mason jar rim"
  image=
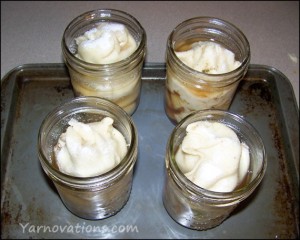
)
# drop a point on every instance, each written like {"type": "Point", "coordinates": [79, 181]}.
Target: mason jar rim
{"type": "Point", "coordinates": [98, 180]}
{"type": "Point", "coordinates": [217, 22]}
{"type": "Point", "coordinates": [235, 194]}
{"type": "Point", "coordinates": [96, 66]}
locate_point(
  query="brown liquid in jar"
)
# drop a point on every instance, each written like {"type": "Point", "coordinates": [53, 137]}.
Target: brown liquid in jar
{"type": "Point", "coordinates": [186, 44]}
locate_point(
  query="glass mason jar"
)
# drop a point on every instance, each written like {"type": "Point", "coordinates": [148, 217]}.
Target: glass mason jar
{"type": "Point", "coordinates": [120, 81]}
{"type": "Point", "coordinates": [89, 197]}
{"type": "Point", "coordinates": [189, 90]}
{"type": "Point", "coordinates": [198, 208]}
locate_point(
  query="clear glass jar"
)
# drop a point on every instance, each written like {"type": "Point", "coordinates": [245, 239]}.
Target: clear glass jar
{"type": "Point", "coordinates": [89, 197]}
{"type": "Point", "coordinates": [189, 90]}
{"type": "Point", "coordinates": [198, 208]}
{"type": "Point", "coordinates": [119, 82]}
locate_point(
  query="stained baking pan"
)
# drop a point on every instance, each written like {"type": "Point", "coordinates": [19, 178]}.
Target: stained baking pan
{"type": "Point", "coordinates": [31, 207]}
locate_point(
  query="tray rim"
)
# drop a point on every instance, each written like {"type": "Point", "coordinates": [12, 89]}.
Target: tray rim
{"type": "Point", "coordinates": [281, 82]}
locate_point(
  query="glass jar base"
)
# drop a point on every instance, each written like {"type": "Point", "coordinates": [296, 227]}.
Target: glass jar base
{"type": "Point", "coordinates": [100, 215]}
{"type": "Point", "coordinates": [190, 223]}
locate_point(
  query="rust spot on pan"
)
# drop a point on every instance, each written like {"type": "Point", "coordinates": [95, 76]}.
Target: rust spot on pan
{"type": "Point", "coordinates": [284, 198]}
{"type": "Point", "coordinates": [63, 90]}
{"type": "Point", "coordinates": [257, 97]}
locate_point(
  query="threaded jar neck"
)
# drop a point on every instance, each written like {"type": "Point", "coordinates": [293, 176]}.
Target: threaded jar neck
{"type": "Point", "coordinates": [213, 30]}
{"type": "Point", "coordinates": [90, 19]}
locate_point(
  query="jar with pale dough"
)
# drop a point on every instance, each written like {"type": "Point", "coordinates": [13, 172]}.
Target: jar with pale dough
{"type": "Point", "coordinates": [104, 51]}
{"type": "Point", "coordinates": [214, 160]}
{"type": "Point", "coordinates": [206, 58]}
{"type": "Point", "coordinates": [88, 147]}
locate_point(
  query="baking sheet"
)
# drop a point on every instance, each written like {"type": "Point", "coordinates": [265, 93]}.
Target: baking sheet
{"type": "Point", "coordinates": [31, 207]}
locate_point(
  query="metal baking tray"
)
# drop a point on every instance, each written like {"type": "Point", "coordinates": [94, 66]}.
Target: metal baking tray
{"type": "Point", "coordinates": [31, 207]}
